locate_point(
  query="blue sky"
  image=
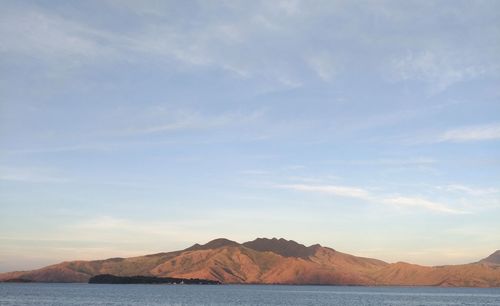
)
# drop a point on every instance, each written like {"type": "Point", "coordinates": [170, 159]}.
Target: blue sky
{"type": "Point", "coordinates": [132, 127]}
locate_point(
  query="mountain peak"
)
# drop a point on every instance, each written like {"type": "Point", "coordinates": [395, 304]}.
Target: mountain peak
{"type": "Point", "coordinates": [213, 244]}
{"type": "Point", "coordinates": [493, 258]}
{"type": "Point", "coordinates": [283, 247]}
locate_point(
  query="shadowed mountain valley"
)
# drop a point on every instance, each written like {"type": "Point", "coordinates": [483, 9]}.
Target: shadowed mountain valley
{"type": "Point", "coordinates": [271, 261]}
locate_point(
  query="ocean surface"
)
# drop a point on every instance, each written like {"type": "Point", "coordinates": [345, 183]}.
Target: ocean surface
{"type": "Point", "coordinates": [222, 295]}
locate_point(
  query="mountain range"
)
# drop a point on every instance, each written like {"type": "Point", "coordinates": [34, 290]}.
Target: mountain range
{"type": "Point", "coordinates": [271, 261]}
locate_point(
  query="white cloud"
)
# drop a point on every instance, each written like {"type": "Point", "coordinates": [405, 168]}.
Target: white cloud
{"type": "Point", "coordinates": [419, 202]}
{"type": "Point", "coordinates": [190, 120]}
{"type": "Point", "coordinates": [157, 120]}
{"type": "Point", "coordinates": [290, 7]}
{"type": "Point", "coordinates": [30, 175]}
{"type": "Point", "coordinates": [111, 228]}
{"type": "Point", "coordinates": [474, 191]}
{"type": "Point", "coordinates": [323, 65]}
{"type": "Point", "coordinates": [471, 133]}
{"type": "Point", "coordinates": [255, 172]}
{"type": "Point", "coordinates": [343, 191]}
{"type": "Point", "coordinates": [417, 161]}
{"type": "Point", "coordinates": [364, 194]}
{"type": "Point", "coordinates": [103, 223]}
{"type": "Point", "coordinates": [245, 40]}
{"type": "Point", "coordinates": [463, 134]}
{"type": "Point", "coordinates": [439, 69]}
{"type": "Point", "coordinates": [222, 44]}
{"type": "Point", "coordinates": [40, 34]}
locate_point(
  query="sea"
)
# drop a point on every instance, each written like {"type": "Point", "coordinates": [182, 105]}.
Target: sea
{"type": "Point", "coordinates": [222, 295]}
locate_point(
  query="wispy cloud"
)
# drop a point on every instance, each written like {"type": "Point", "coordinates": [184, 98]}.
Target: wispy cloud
{"type": "Point", "coordinates": [440, 69]}
{"type": "Point", "coordinates": [366, 195]}
{"type": "Point", "coordinates": [102, 223]}
{"type": "Point", "coordinates": [403, 201]}
{"type": "Point", "coordinates": [31, 175]}
{"type": "Point", "coordinates": [471, 133]}
{"type": "Point", "coordinates": [416, 161]}
{"type": "Point", "coordinates": [323, 65]}
{"type": "Point", "coordinates": [234, 45]}
{"type": "Point", "coordinates": [65, 42]}
{"type": "Point", "coordinates": [460, 134]}
{"type": "Point", "coordinates": [343, 191]}
{"type": "Point", "coordinates": [255, 172]}
{"type": "Point", "coordinates": [192, 120]}
{"type": "Point", "coordinates": [62, 148]}
{"type": "Point", "coordinates": [474, 191]}
{"type": "Point", "coordinates": [120, 229]}
{"type": "Point", "coordinates": [156, 120]}
{"type": "Point", "coordinates": [41, 34]}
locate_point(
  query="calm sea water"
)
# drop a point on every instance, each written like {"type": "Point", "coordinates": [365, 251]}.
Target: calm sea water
{"type": "Point", "coordinates": [85, 294]}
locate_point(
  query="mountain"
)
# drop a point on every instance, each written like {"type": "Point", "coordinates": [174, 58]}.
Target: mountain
{"type": "Point", "coordinates": [270, 261]}
{"type": "Point", "coordinates": [286, 248]}
{"type": "Point", "coordinates": [493, 259]}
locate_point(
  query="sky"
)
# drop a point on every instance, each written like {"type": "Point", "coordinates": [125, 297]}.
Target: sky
{"type": "Point", "coordinates": [134, 127]}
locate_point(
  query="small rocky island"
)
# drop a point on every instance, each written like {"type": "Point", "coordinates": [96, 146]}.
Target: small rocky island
{"type": "Point", "coordinates": [113, 279]}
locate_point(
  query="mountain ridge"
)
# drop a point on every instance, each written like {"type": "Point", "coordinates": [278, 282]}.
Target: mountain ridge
{"type": "Point", "coordinates": [494, 258]}
{"type": "Point", "coordinates": [283, 247]}
{"type": "Point", "coordinates": [270, 261]}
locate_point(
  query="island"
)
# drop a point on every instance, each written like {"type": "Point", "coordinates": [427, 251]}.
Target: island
{"type": "Point", "coordinates": [263, 261]}
{"type": "Point", "coordinates": [113, 279]}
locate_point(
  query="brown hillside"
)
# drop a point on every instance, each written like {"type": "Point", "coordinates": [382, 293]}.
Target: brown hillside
{"type": "Point", "coordinates": [270, 261]}
{"type": "Point", "coordinates": [493, 259]}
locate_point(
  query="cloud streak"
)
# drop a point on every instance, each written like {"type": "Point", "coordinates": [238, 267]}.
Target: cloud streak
{"type": "Point", "coordinates": [190, 120]}
{"type": "Point", "coordinates": [366, 195]}
{"type": "Point", "coordinates": [474, 191]}
{"type": "Point", "coordinates": [40, 34]}
{"type": "Point", "coordinates": [234, 44]}
{"type": "Point", "coordinates": [30, 175]}
{"type": "Point", "coordinates": [471, 133]}
{"type": "Point", "coordinates": [342, 191]}
{"type": "Point", "coordinates": [403, 201]}
{"type": "Point", "coordinates": [440, 69]}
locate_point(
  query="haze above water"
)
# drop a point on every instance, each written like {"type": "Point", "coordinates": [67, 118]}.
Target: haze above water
{"type": "Point", "coordinates": [85, 294]}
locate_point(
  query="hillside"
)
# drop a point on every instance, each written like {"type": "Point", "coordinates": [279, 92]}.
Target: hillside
{"type": "Point", "coordinates": [493, 259]}
{"type": "Point", "coordinates": [269, 261]}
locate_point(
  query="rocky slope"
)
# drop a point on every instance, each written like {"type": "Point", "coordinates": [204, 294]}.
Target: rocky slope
{"type": "Point", "coordinates": [493, 259]}
{"type": "Point", "coordinates": [270, 261]}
